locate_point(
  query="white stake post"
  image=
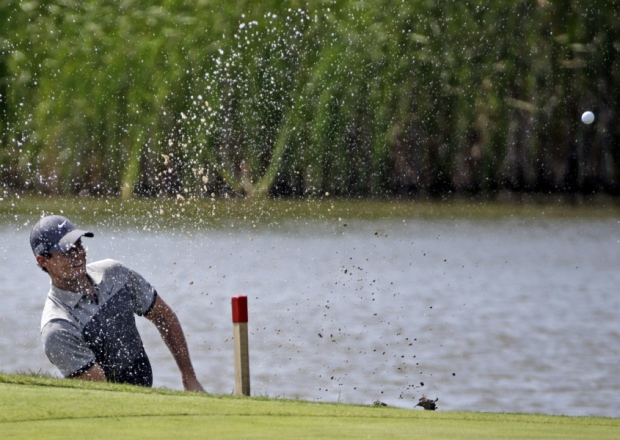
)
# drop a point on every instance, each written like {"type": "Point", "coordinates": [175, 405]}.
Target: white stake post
{"type": "Point", "coordinates": [242, 350]}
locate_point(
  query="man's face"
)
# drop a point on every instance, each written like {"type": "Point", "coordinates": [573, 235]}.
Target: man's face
{"type": "Point", "coordinates": [67, 266]}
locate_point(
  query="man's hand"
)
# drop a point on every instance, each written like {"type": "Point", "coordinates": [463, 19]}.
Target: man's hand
{"type": "Point", "coordinates": [193, 385]}
{"type": "Point", "coordinates": [171, 332]}
{"type": "Point", "coordinates": [93, 374]}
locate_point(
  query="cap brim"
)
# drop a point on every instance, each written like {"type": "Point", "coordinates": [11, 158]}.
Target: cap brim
{"type": "Point", "coordinates": [64, 244]}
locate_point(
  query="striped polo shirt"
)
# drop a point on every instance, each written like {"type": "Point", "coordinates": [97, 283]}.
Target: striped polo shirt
{"type": "Point", "coordinates": [78, 331]}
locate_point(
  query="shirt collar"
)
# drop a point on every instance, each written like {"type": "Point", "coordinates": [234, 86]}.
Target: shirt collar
{"type": "Point", "coordinates": [66, 297]}
{"type": "Point", "coordinates": [69, 298]}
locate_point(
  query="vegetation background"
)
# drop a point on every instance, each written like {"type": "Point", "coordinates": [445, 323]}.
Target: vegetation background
{"type": "Point", "coordinates": [353, 98]}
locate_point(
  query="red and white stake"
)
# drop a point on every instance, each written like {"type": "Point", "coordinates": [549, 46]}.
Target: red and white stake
{"type": "Point", "coordinates": [242, 350]}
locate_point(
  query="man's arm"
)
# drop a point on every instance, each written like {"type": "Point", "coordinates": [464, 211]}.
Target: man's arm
{"type": "Point", "coordinates": [93, 374]}
{"type": "Point", "coordinates": [171, 332]}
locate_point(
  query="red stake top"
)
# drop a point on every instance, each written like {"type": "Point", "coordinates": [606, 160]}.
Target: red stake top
{"type": "Point", "coordinates": [239, 309]}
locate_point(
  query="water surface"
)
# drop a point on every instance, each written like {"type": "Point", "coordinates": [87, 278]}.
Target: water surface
{"type": "Point", "coordinates": [510, 315]}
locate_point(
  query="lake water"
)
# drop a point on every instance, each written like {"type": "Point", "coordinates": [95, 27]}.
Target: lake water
{"type": "Point", "coordinates": [510, 315]}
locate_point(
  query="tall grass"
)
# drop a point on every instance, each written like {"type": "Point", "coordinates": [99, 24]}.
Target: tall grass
{"type": "Point", "coordinates": [346, 97]}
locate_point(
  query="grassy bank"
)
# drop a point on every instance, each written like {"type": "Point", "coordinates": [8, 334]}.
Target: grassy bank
{"type": "Point", "coordinates": [32, 407]}
{"type": "Point", "coordinates": [157, 213]}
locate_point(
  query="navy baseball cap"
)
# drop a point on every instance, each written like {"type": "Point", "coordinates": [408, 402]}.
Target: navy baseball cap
{"type": "Point", "coordinates": [55, 233]}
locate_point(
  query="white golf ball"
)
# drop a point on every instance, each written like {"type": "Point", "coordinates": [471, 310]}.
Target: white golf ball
{"type": "Point", "coordinates": [587, 117]}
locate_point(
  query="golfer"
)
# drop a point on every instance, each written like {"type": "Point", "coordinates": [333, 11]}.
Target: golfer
{"type": "Point", "coordinates": [88, 326]}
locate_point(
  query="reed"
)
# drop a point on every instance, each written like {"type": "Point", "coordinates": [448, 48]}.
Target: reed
{"type": "Point", "coordinates": [305, 98]}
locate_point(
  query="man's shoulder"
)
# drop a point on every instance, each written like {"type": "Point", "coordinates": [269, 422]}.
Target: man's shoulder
{"type": "Point", "coordinates": [54, 312]}
{"type": "Point", "coordinates": [112, 276]}
{"type": "Point", "coordinates": [56, 325]}
{"type": "Point", "coordinates": [105, 265]}
{"type": "Point", "coordinates": [107, 269]}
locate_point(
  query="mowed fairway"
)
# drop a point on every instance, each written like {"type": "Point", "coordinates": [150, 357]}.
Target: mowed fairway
{"type": "Point", "coordinates": [51, 408]}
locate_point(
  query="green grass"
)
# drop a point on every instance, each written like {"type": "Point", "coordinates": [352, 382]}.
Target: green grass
{"type": "Point", "coordinates": [33, 407]}
{"type": "Point", "coordinates": [201, 214]}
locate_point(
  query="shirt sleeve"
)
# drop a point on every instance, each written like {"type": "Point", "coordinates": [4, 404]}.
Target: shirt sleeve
{"type": "Point", "coordinates": [66, 349]}
{"type": "Point", "coordinates": [142, 293]}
